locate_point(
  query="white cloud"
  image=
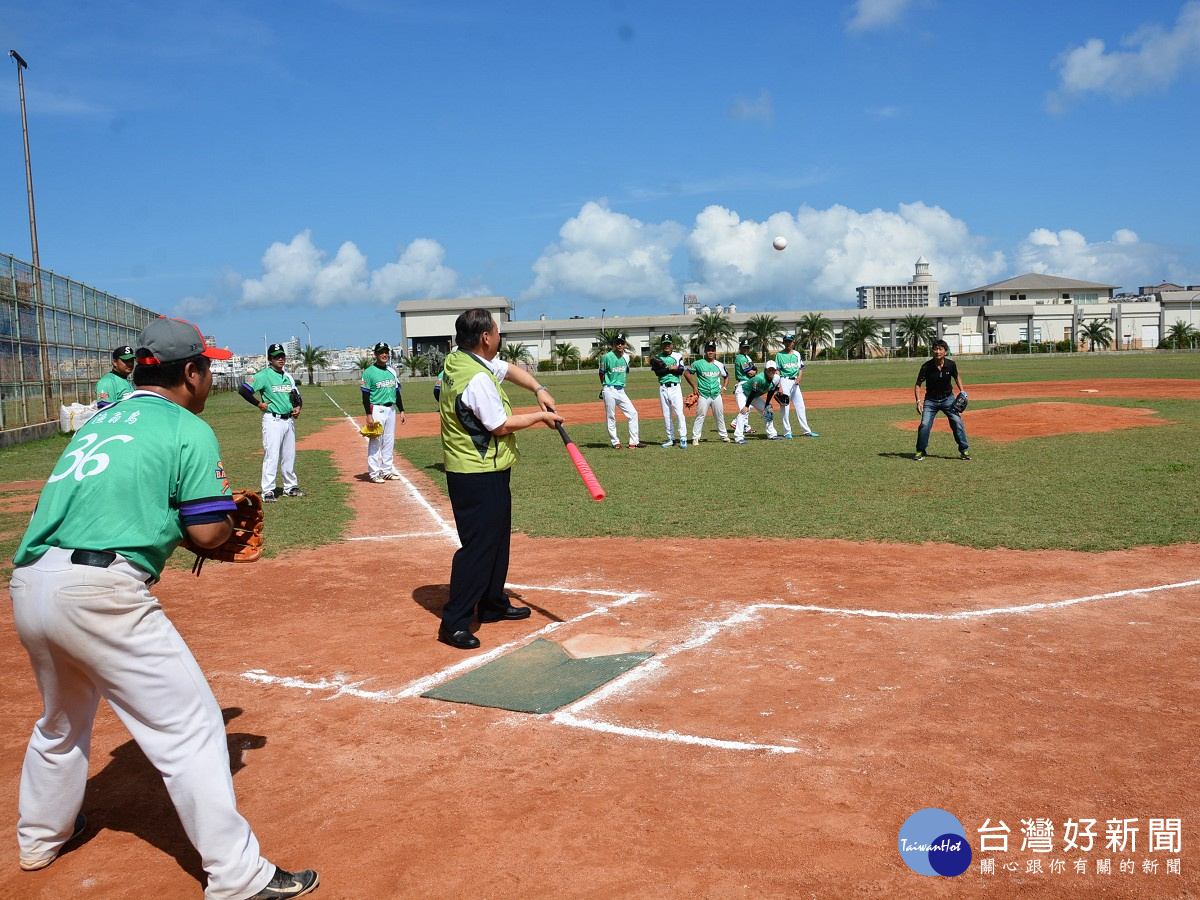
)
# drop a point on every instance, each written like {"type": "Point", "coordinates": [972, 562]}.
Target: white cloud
{"type": "Point", "coordinates": [299, 273]}
{"type": "Point", "coordinates": [608, 256]}
{"type": "Point", "coordinates": [1123, 260]}
{"type": "Point", "coordinates": [869, 14]}
{"type": "Point", "coordinates": [1156, 58]}
{"type": "Point", "coordinates": [760, 108]}
{"type": "Point", "coordinates": [830, 253]}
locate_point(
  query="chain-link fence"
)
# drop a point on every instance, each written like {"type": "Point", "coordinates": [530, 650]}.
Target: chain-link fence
{"type": "Point", "coordinates": [56, 340]}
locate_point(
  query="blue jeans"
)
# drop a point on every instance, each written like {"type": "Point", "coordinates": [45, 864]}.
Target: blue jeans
{"type": "Point", "coordinates": [930, 410]}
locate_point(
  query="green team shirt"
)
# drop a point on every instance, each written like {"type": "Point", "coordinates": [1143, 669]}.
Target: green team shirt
{"type": "Point", "coordinates": [111, 388]}
{"type": "Point", "coordinates": [755, 387]}
{"type": "Point", "coordinates": [276, 388]}
{"type": "Point", "coordinates": [124, 481]}
{"type": "Point", "coordinates": [671, 361]}
{"type": "Point", "coordinates": [381, 384]}
{"type": "Point", "coordinates": [614, 369]}
{"type": "Point", "coordinates": [790, 364]}
{"type": "Point", "coordinates": [708, 377]}
{"type": "Point", "coordinates": [741, 363]}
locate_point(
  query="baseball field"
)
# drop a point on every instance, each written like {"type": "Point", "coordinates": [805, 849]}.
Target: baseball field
{"type": "Point", "coordinates": [842, 636]}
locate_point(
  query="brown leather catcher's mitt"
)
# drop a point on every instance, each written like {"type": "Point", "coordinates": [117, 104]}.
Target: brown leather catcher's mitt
{"type": "Point", "coordinates": [245, 543]}
{"type": "Point", "coordinates": [691, 400]}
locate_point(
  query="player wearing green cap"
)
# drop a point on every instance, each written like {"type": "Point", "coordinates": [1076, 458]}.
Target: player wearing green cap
{"type": "Point", "coordinates": [711, 378]}
{"type": "Point", "coordinates": [614, 369]}
{"type": "Point", "coordinates": [115, 385]}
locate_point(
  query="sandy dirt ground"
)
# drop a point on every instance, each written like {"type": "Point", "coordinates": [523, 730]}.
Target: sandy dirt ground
{"type": "Point", "coordinates": [773, 747]}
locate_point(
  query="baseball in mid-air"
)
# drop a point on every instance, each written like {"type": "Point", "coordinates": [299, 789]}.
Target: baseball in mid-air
{"type": "Point", "coordinates": [779, 243]}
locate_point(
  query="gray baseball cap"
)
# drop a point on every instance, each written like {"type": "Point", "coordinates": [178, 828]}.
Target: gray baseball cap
{"type": "Point", "coordinates": [171, 340]}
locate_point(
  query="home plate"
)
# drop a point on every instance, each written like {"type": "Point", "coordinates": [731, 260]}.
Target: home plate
{"type": "Point", "coordinates": [585, 646]}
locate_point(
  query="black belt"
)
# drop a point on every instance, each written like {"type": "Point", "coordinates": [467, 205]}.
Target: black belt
{"type": "Point", "coordinates": [101, 559]}
{"type": "Point", "coordinates": [278, 416]}
{"type": "Point", "coordinates": [385, 404]}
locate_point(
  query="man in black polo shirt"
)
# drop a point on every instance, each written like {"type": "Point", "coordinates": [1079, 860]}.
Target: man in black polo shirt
{"type": "Point", "coordinates": [938, 374]}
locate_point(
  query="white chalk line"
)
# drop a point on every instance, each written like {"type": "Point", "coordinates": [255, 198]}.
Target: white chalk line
{"type": "Point", "coordinates": [398, 537]}
{"type": "Point", "coordinates": [445, 529]}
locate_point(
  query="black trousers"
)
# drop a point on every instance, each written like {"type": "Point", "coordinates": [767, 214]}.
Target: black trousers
{"type": "Point", "coordinates": [482, 503]}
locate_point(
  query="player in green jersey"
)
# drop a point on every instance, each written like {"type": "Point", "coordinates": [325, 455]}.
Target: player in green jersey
{"type": "Point", "coordinates": [756, 394]}
{"type": "Point", "coordinates": [744, 369]}
{"type": "Point", "coordinates": [711, 379]}
{"type": "Point", "coordinates": [614, 369]}
{"type": "Point", "coordinates": [791, 367]}
{"type": "Point", "coordinates": [132, 481]}
{"type": "Point", "coordinates": [273, 391]}
{"type": "Point", "coordinates": [115, 385]}
{"type": "Point", "coordinates": [382, 402]}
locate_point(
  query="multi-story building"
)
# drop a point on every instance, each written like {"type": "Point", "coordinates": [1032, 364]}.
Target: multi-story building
{"type": "Point", "coordinates": [919, 293]}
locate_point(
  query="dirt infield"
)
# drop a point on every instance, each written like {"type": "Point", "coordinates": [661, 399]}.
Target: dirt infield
{"type": "Point", "coordinates": [772, 748]}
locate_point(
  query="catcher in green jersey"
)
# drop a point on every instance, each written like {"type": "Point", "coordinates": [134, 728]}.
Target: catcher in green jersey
{"type": "Point", "coordinates": [115, 385]}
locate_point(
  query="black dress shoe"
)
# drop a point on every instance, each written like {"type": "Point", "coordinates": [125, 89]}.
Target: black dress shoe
{"type": "Point", "coordinates": [508, 614]}
{"type": "Point", "coordinates": [463, 640]}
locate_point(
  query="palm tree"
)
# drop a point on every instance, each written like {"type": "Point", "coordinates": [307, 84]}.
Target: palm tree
{"type": "Point", "coordinates": [515, 353]}
{"type": "Point", "coordinates": [409, 361]}
{"type": "Point", "coordinates": [762, 331]}
{"type": "Point", "coordinates": [860, 336]}
{"type": "Point", "coordinates": [812, 331]}
{"type": "Point", "coordinates": [604, 342]}
{"type": "Point", "coordinates": [1096, 332]}
{"type": "Point", "coordinates": [363, 361]}
{"type": "Point", "coordinates": [1181, 335]}
{"type": "Point", "coordinates": [712, 328]}
{"type": "Point", "coordinates": [312, 357]}
{"type": "Point", "coordinates": [566, 353]}
{"type": "Point", "coordinates": [917, 330]}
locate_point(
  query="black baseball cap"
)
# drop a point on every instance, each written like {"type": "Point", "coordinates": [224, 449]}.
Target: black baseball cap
{"type": "Point", "coordinates": [276, 350]}
{"type": "Point", "coordinates": [709, 346]}
{"type": "Point", "coordinates": [124, 352]}
{"type": "Point", "coordinates": [789, 337]}
{"type": "Point", "coordinates": [620, 339]}
{"type": "Point", "coordinates": [172, 340]}
{"type": "Point", "coordinates": [382, 347]}
{"type": "Point", "coordinates": [743, 343]}
{"type": "Point", "coordinates": [667, 339]}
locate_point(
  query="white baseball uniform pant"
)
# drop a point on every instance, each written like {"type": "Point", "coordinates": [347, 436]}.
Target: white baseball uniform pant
{"type": "Point", "coordinates": [279, 449]}
{"type": "Point", "coordinates": [791, 388]}
{"type": "Point", "coordinates": [614, 399]}
{"type": "Point", "coordinates": [743, 419]}
{"type": "Point", "coordinates": [670, 397]}
{"type": "Point", "coordinates": [93, 633]}
{"type": "Point", "coordinates": [703, 405]}
{"type": "Point", "coordinates": [380, 450]}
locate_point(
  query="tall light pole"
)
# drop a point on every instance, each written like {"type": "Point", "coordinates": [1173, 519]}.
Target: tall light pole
{"type": "Point", "coordinates": [21, 67]}
{"type": "Point", "coordinates": [308, 331]}
{"type": "Point", "coordinates": [602, 318]}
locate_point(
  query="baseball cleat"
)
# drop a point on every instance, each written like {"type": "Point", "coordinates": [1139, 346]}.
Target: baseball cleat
{"type": "Point", "coordinates": [392, 476]}
{"type": "Point", "coordinates": [811, 434]}
{"type": "Point", "coordinates": [295, 492]}
{"type": "Point", "coordinates": [918, 456]}
{"type": "Point", "coordinates": [636, 446]}
{"type": "Point", "coordinates": [269, 497]}
{"type": "Point", "coordinates": [616, 446]}
{"type": "Point", "coordinates": [739, 440]}
{"type": "Point", "coordinates": [33, 865]}
{"type": "Point", "coordinates": [774, 437]}
{"type": "Point", "coordinates": [289, 884]}
{"type": "Point", "coordinates": [725, 439]}
{"type": "Point", "coordinates": [683, 445]}
{"type": "Point", "coordinates": [787, 437]}
{"type": "Point", "coordinates": [375, 479]}
{"type": "Point", "coordinates": [964, 455]}
{"type": "Point", "coordinates": [666, 444]}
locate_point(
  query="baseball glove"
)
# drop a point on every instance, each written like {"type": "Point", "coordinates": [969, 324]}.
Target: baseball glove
{"type": "Point", "coordinates": [244, 544]}
{"type": "Point", "coordinates": [658, 367]}
{"type": "Point", "coordinates": [373, 430]}
{"type": "Point", "coordinates": [768, 416]}
{"type": "Point", "coordinates": [960, 402]}
{"type": "Point", "coordinates": [782, 399]}
{"type": "Point", "coordinates": [691, 400]}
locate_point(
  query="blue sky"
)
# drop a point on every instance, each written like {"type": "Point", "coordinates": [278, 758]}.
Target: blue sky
{"type": "Point", "coordinates": [256, 165]}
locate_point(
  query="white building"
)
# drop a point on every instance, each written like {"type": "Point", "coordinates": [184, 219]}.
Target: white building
{"type": "Point", "coordinates": [920, 293]}
{"type": "Point", "coordinates": [1036, 290]}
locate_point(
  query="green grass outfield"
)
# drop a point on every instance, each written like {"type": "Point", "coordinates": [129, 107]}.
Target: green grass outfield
{"type": "Point", "coordinates": [1103, 491]}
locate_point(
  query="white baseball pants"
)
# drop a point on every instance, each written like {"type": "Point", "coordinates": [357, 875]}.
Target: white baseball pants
{"type": "Point", "coordinates": [614, 399]}
{"type": "Point", "coordinates": [670, 397]}
{"type": "Point", "coordinates": [279, 447]}
{"type": "Point", "coordinates": [791, 388]}
{"type": "Point", "coordinates": [93, 633]}
{"type": "Point", "coordinates": [703, 405]}
{"type": "Point", "coordinates": [743, 419]}
{"type": "Point", "coordinates": [380, 450]}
